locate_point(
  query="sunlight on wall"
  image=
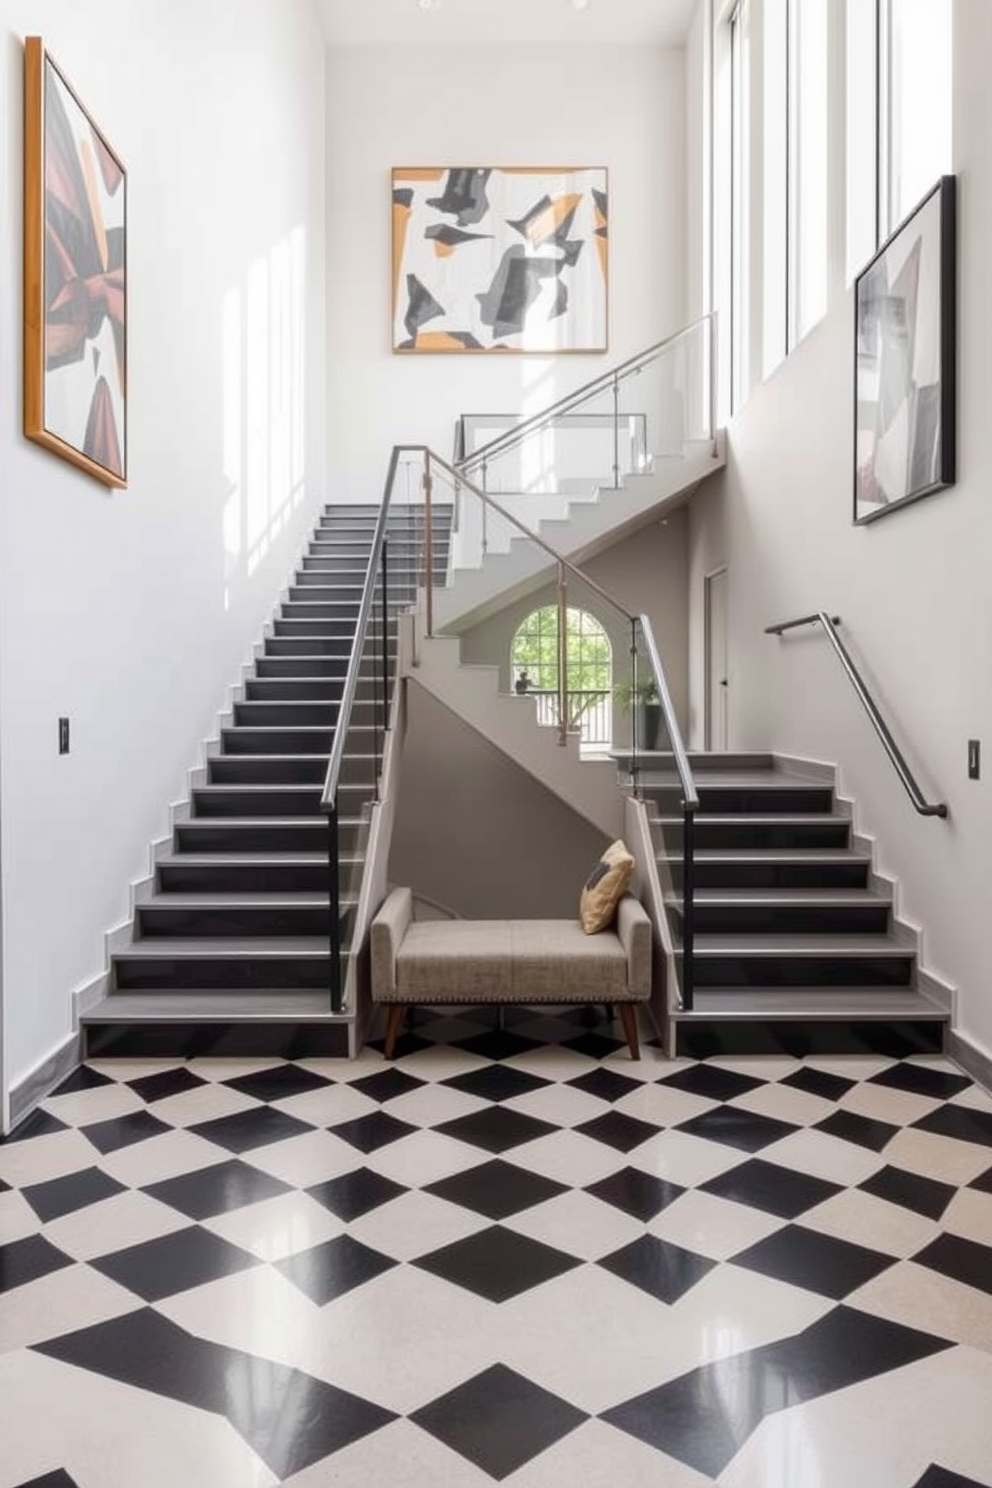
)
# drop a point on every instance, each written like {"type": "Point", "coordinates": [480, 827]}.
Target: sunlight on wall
{"type": "Point", "coordinates": [264, 341]}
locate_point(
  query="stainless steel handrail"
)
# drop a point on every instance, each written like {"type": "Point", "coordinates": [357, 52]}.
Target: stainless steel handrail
{"type": "Point", "coordinates": [829, 623]}
{"type": "Point", "coordinates": [605, 381]}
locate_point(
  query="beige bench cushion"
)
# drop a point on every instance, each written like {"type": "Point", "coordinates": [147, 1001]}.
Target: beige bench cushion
{"type": "Point", "coordinates": [555, 961]}
{"type": "Point", "coordinates": [455, 961]}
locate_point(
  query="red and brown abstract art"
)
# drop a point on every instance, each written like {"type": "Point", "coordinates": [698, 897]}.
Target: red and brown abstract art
{"type": "Point", "coordinates": [487, 258]}
{"type": "Point", "coordinates": [75, 321]}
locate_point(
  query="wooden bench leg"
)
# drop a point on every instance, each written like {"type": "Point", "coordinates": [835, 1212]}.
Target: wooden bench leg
{"type": "Point", "coordinates": [394, 1022]}
{"type": "Point", "coordinates": [628, 1017]}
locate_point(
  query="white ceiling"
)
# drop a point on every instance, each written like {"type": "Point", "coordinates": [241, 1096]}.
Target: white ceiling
{"type": "Point", "coordinates": [512, 22]}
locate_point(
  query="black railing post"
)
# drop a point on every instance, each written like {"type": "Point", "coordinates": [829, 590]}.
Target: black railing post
{"type": "Point", "coordinates": [334, 901]}
{"type": "Point", "coordinates": [688, 896]}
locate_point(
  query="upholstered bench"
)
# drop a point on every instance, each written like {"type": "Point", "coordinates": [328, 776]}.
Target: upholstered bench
{"type": "Point", "coordinates": [503, 961]}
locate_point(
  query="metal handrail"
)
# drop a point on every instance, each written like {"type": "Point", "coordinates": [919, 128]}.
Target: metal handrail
{"type": "Point", "coordinates": [829, 623]}
{"type": "Point", "coordinates": [605, 381]}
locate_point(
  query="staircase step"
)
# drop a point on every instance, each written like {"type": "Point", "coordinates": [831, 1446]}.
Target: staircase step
{"type": "Point", "coordinates": [296, 689]}
{"type": "Point", "coordinates": [739, 831]}
{"type": "Point", "coordinates": [236, 835]}
{"type": "Point", "coordinates": [277, 713]}
{"type": "Point", "coordinates": [268, 769]}
{"type": "Point", "coordinates": [287, 1023]}
{"type": "Point", "coordinates": [325, 629]}
{"type": "Point", "coordinates": [804, 1021]}
{"type": "Point", "coordinates": [329, 647]}
{"type": "Point", "coordinates": [254, 740]}
{"type": "Point", "coordinates": [251, 799]}
{"type": "Point", "coordinates": [254, 915]}
{"type": "Point", "coordinates": [195, 873]}
{"type": "Point", "coordinates": [801, 961]}
{"type": "Point", "coordinates": [772, 797]}
{"type": "Point", "coordinates": [812, 868]}
{"type": "Point", "coordinates": [214, 964]}
{"type": "Point", "coordinates": [787, 911]}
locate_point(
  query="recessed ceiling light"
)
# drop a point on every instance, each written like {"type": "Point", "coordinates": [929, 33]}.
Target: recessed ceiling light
{"type": "Point", "coordinates": [429, 4]}
{"type": "Point", "coordinates": [578, 4]}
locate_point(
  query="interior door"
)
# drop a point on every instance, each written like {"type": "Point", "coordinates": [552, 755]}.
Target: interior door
{"type": "Point", "coordinates": [716, 728]}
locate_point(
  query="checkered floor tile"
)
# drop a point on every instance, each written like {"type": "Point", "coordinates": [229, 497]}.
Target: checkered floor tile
{"type": "Point", "coordinates": [511, 1256]}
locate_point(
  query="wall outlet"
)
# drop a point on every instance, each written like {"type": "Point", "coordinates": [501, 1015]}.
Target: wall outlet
{"type": "Point", "coordinates": [974, 759]}
{"type": "Point", "coordinates": [63, 736]}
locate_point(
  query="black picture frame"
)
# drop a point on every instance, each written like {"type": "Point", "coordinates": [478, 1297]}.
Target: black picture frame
{"type": "Point", "coordinates": [905, 348]}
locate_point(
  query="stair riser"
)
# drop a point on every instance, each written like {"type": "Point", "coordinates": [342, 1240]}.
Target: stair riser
{"type": "Point", "coordinates": [210, 973]}
{"type": "Point", "coordinates": [276, 741]}
{"type": "Point", "coordinates": [186, 924]}
{"type": "Point", "coordinates": [288, 878]}
{"type": "Point", "coordinates": [171, 1039]}
{"type": "Point", "coordinates": [262, 837]}
{"type": "Point", "coordinates": [286, 715]}
{"type": "Point", "coordinates": [765, 969]}
{"type": "Point", "coordinates": [791, 920]}
{"type": "Point", "coordinates": [327, 570]}
{"type": "Point", "coordinates": [831, 833]}
{"type": "Point", "coordinates": [288, 690]}
{"type": "Point", "coordinates": [801, 1038]}
{"type": "Point", "coordinates": [330, 629]}
{"type": "Point", "coordinates": [777, 875]}
{"type": "Point", "coordinates": [257, 801]}
{"type": "Point", "coordinates": [726, 800]}
{"type": "Point", "coordinates": [296, 646]}
{"type": "Point", "coordinates": [259, 769]}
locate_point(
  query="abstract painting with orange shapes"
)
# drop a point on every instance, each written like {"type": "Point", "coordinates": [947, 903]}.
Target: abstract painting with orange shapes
{"type": "Point", "coordinates": [75, 302]}
{"type": "Point", "coordinates": [501, 259]}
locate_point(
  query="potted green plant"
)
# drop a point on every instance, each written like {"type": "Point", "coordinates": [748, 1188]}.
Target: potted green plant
{"type": "Point", "coordinates": [645, 705]}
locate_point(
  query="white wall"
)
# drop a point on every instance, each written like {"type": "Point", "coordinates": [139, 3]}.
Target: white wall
{"type": "Point", "coordinates": [131, 612]}
{"type": "Point", "coordinates": [621, 107]}
{"type": "Point", "coordinates": [912, 589]}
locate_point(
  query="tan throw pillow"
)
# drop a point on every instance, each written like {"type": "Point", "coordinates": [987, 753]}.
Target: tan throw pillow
{"type": "Point", "coordinates": [605, 887]}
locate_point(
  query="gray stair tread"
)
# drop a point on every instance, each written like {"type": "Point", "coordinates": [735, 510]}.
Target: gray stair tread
{"type": "Point", "coordinates": [765, 897]}
{"type": "Point", "coordinates": [742, 780]}
{"type": "Point", "coordinates": [236, 1006]}
{"type": "Point", "coordinates": [248, 859]}
{"type": "Point", "coordinates": [212, 823]}
{"type": "Point", "coordinates": [779, 855]}
{"type": "Point", "coordinates": [209, 947]}
{"type": "Point", "coordinates": [754, 818]}
{"type": "Point", "coordinates": [799, 945]}
{"type": "Point", "coordinates": [292, 899]}
{"type": "Point", "coordinates": [745, 1003]}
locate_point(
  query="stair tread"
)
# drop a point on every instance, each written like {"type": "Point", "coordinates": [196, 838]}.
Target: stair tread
{"type": "Point", "coordinates": [209, 947]}
{"type": "Point", "coordinates": [754, 818]}
{"type": "Point", "coordinates": [823, 944]}
{"type": "Point", "coordinates": [765, 897]}
{"type": "Point", "coordinates": [249, 859]}
{"type": "Point", "coordinates": [779, 855]}
{"type": "Point", "coordinates": [214, 823]}
{"type": "Point", "coordinates": [237, 1006]}
{"type": "Point", "coordinates": [810, 1002]}
{"type": "Point", "coordinates": [267, 899]}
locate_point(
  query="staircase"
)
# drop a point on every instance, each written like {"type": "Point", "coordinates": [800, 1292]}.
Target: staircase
{"type": "Point", "coordinates": [229, 947]}
{"type": "Point", "coordinates": [796, 944]}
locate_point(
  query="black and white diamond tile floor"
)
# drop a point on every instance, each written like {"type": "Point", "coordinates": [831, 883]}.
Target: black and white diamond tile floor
{"type": "Point", "coordinates": [512, 1257]}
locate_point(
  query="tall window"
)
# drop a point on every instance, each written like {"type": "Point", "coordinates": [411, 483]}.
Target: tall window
{"type": "Point", "coordinates": [915, 82]}
{"type": "Point", "coordinates": [861, 120]}
{"type": "Point", "coordinates": [807, 151]}
{"type": "Point", "coordinates": [534, 657]}
{"type": "Point", "coordinates": [775, 201]}
{"type": "Point", "coordinates": [740, 211]}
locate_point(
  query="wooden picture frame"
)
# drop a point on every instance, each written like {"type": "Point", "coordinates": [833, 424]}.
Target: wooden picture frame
{"type": "Point", "coordinates": [500, 259]}
{"type": "Point", "coordinates": [75, 304]}
{"type": "Point", "coordinates": [904, 371]}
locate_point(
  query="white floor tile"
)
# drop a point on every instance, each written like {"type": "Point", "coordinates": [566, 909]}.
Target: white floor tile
{"type": "Point", "coordinates": [578, 1224]}
{"type": "Point", "coordinates": [73, 1297]}
{"type": "Point", "coordinates": [824, 1156]}
{"type": "Point", "coordinates": [711, 1226]}
{"type": "Point", "coordinates": [866, 1220]}
{"type": "Point", "coordinates": [277, 1227]}
{"type": "Point", "coordinates": [415, 1224]}
{"type": "Point", "coordinates": [128, 1218]}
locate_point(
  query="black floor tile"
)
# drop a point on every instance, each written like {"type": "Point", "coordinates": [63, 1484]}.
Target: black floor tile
{"type": "Point", "coordinates": [618, 1130]}
{"type": "Point", "coordinates": [939, 1477]}
{"type": "Point", "coordinates": [174, 1263]}
{"type": "Point", "coordinates": [663, 1270]}
{"type": "Point", "coordinates": [497, 1263]}
{"type": "Point", "coordinates": [703, 1418]}
{"type": "Point", "coordinates": [983, 1183]}
{"type": "Point", "coordinates": [496, 1129]}
{"type": "Point", "coordinates": [748, 1131]}
{"type": "Point", "coordinates": [637, 1193]}
{"type": "Point", "coordinates": [961, 1122]}
{"type": "Point", "coordinates": [498, 1043]}
{"type": "Point", "coordinates": [386, 1085]}
{"type": "Point", "coordinates": [82, 1078]}
{"type": "Point", "coordinates": [218, 1189]}
{"type": "Point", "coordinates": [29, 1260]}
{"type": "Point", "coordinates": [260, 1126]}
{"type": "Point", "coordinates": [499, 1420]}
{"type": "Point", "coordinates": [920, 1079]}
{"type": "Point", "coordinates": [961, 1260]}
{"type": "Point", "coordinates": [594, 1045]}
{"type": "Point", "coordinates": [819, 1082]}
{"type": "Point", "coordinates": [279, 1082]}
{"type": "Point", "coordinates": [290, 1419]}
{"type": "Point", "coordinates": [355, 1194]}
{"type": "Point", "coordinates": [496, 1189]}
{"type": "Point", "coordinates": [124, 1131]}
{"type": "Point", "coordinates": [59, 1479]}
{"type": "Point", "coordinates": [338, 1266]}
{"type": "Point", "coordinates": [922, 1195]}
{"type": "Point", "coordinates": [496, 1082]}
{"type": "Point", "coordinates": [65, 1195]}
{"type": "Point", "coordinates": [605, 1084]}
{"type": "Point", "coordinates": [165, 1083]}
{"type": "Point", "coordinates": [711, 1081]}
{"type": "Point", "coordinates": [40, 1123]}
{"type": "Point", "coordinates": [369, 1133]}
{"type": "Point", "coordinates": [861, 1130]}
{"type": "Point", "coordinates": [821, 1263]}
{"type": "Point", "coordinates": [771, 1188]}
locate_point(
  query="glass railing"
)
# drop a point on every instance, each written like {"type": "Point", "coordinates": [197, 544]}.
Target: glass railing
{"type": "Point", "coordinates": [627, 422]}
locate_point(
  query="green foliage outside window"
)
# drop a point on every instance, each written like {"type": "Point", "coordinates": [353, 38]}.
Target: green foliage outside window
{"type": "Point", "coordinates": [535, 652]}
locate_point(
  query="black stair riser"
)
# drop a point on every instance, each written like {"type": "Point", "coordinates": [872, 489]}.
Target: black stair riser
{"type": "Point", "coordinates": [218, 923]}
{"type": "Point", "coordinates": [296, 646]}
{"type": "Point", "coordinates": [729, 800]}
{"type": "Point", "coordinates": [803, 1038]}
{"type": "Point", "coordinates": [246, 878]}
{"type": "Point", "coordinates": [207, 836]}
{"type": "Point", "coordinates": [132, 973]}
{"type": "Point", "coordinates": [171, 1040]}
{"type": "Point", "coordinates": [286, 715]}
{"type": "Point", "coordinates": [329, 629]}
{"type": "Point", "coordinates": [257, 801]}
{"type": "Point", "coordinates": [832, 832]}
{"type": "Point", "coordinates": [295, 690]}
{"type": "Point", "coordinates": [806, 919]}
{"type": "Point", "coordinates": [276, 741]}
{"type": "Point", "coordinates": [795, 875]}
{"type": "Point", "coordinates": [263, 769]}
{"type": "Point", "coordinates": [767, 969]}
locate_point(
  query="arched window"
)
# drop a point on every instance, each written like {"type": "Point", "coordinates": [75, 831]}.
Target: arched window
{"type": "Point", "coordinates": [534, 659]}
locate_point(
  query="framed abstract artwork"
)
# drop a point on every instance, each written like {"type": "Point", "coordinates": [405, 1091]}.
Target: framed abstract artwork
{"type": "Point", "coordinates": [500, 259]}
{"type": "Point", "coordinates": [75, 305]}
{"type": "Point", "coordinates": [904, 388]}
